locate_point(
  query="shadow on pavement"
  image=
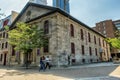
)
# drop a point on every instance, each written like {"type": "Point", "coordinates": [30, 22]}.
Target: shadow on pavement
{"type": "Point", "coordinates": [75, 73]}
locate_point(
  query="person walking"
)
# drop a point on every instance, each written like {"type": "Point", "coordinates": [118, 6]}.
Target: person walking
{"type": "Point", "coordinates": [42, 65]}
{"type": "Point", "coordinates": [48, 65]}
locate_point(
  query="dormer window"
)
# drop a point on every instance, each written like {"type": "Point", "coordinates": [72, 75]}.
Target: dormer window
{"type": "Point", "coordinates": [28, 14]}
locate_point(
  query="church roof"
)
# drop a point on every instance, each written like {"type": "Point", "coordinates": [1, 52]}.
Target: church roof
{"type": "Point", "coordinates": [53, 10]}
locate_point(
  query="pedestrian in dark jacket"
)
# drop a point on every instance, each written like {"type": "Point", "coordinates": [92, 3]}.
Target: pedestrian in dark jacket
{"type": "Point", "coordinates": [42, 65]}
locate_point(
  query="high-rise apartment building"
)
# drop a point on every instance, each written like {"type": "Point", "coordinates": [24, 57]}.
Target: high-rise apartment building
{"type": "Point", "coordinates": [62, 4]}
{"type": "Point", "coordinates": [117, 24]}
{"type": "Point", "coordinates": [106, 28]}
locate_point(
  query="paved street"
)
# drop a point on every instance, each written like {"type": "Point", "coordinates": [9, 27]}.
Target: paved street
{"type": "Point", "coordinates": [101, 71]}
{"type": "Point", "coordinates": [100, 78]}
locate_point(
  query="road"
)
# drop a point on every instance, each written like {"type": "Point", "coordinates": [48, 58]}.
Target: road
{"type": "Point", "coordinates": [101, 71]}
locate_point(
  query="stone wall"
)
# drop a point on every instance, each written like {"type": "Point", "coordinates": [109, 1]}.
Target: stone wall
{"type": "Point", "coordinates": [64, 41]}
{"type": "Point", "coordinates": [60, 42]}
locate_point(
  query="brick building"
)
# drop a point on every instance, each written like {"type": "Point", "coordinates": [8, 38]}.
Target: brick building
{"type": "Point", "coordinates": [4, 37]}
{"type": "Point", "coordinates": [108, 29]}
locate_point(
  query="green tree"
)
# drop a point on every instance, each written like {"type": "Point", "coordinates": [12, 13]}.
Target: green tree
{"type": "Point", "coordinates": [26, 37]}
{"type": "Point", "coordinates": [115, 42]}
{"type": "Point", "coordinates": [117, 34]}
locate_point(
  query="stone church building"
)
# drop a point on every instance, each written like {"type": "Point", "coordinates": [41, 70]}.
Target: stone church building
{"type": "Point", "coordinates": [68, 37]}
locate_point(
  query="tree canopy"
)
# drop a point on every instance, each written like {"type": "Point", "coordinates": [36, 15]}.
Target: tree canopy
{"type": "Point", "coordinates": [26, 37]}
{"type": "Point", "coordinates": [115, 42]}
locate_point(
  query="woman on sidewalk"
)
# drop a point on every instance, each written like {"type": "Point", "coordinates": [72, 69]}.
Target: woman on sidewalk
{"type": "Point", "coordinates": [42, 65]}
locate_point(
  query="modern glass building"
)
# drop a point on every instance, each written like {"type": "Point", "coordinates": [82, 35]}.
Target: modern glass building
{"type": "Point", "coordinates": [62, 4]}
{"type": "Point", "coordinates": [43, 2]}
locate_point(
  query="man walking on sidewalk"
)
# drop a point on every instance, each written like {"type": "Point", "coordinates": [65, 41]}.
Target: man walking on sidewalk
{"type": "Point", "coordinates": [48, 61]}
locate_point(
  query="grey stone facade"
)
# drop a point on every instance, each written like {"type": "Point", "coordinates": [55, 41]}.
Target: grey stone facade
{"type": "Point", "coordinates": [60, 39]}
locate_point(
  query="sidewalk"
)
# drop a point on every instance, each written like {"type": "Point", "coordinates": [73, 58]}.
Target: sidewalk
{"type": "Point", "coordinates": [94, 65]}
{"type": "Point", "coordinates": [105, 64]}
{"type": "Point", "coordinates": [68, 67]}
{"type": "Point", "coordinates": [99, 78]}
{"type": "Point", "coordinates": [96, 71]}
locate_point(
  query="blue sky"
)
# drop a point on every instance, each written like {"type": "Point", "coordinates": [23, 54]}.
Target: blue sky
{"type": "Point", "coordinates": [87, 11]}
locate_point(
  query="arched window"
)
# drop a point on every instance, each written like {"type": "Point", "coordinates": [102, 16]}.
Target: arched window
{"type": "Point", "coordinates": [90, 51]}
{"type": "Point", "coordinates": [89, 38]}
{"type": "Point", "coordinates": [2, 45]}
{"type": "Point", "coordinates": [46, 27]}
{"type": "Point", "coordinates": [83, 50]}
{"type": "Point", "coordinates": [95, 39]}
{"type": "Point", "coordinates": [103, 43]}
{"type": "Point", "coordinates": [82, 35]}
{"type": "Point", "coordinates": [38, 51]}
{"type": "Point", "coordinates": [99, 42]}
{"type": "Point", "coordinates": [72, 48]}
{"type": "Point", "coordinates": [46, 47]}
{"type": "Point", "coordinates": [1, 57]}
{"type": "Point", "coordinates": [6, 44]}
{"type": "Point", "coordinates": [72, 30]}
{"type": "Point", "coordinates": [96, 51]}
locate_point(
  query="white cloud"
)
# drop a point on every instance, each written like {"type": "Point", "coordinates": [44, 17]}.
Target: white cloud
{"type": "Point", "coordinates": [86, 11]}
{"type": "Point", "coordinates": [15, 5]}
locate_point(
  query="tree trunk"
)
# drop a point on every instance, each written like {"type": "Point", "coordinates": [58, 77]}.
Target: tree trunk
{"type": "Point", "coordinates": [26, 60]}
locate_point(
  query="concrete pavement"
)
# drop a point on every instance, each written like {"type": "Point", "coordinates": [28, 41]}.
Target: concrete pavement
{"type": "Point", "coordinates": [101, 71]}
{"type": "Point", "coordinates": [100, 78]}
{"type": "Point", "coordinates": [95, 65]}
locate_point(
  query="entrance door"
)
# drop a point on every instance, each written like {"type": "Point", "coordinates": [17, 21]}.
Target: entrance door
{"type": "Point", "coordinates": [5, 55]}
